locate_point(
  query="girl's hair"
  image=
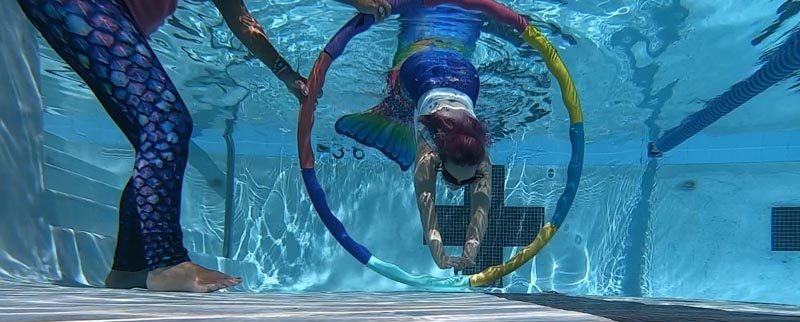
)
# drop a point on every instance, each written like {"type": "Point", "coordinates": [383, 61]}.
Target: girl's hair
{"type": "Point", "coordinates": [459, 137]}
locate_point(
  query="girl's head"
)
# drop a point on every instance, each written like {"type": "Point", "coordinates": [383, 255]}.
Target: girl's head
{"type": "Point", "coordinates": [461, 141]}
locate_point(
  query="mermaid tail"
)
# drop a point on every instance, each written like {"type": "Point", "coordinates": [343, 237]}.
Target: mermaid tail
{"type": "Point", "coordinates": [387, 126]}
{"type": "Point", "coordinates": [382, 127]}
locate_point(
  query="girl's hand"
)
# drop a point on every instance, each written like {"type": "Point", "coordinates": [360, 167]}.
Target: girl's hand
{"type": "Point", "coordinates": [439, 256]}
{"type": "Point", "coordinates": [379, 9]}
{"type": "Point", "coordinates": [470, 251]}
{"type": "Point", "coordinates": [296, 84]}
{"type": "Point", "coordinates": [467, 258]}
{"type": "Point", "coordinates": [461, 262]}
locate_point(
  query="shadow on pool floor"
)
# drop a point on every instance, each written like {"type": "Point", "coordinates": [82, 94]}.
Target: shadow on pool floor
{"type": "Point", "coordinates": [40, 302]}
{"type": "Point", "coordinates": [653, 310]}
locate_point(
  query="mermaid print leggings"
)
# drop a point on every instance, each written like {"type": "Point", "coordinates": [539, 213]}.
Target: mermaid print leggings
{"type": "Point", "coordinates": [101, 42]}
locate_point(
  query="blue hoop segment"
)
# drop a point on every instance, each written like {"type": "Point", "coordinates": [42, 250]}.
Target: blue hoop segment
{"type": "Point", "coordinates": [334, 49]}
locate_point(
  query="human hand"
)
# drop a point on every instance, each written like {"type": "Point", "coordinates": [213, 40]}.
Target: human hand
{"type": "Point", "coordinates": [460, 262]}
{"type": "Point", "coordinates": [445, 262]}
{"type": "Point", "coordinates": [439, 256]}
{"type": "Point", "coordinates": [296, 84]}
{"type": "Point", "coordinates": [379, 9]}
{"type": "Point", "coordinates": [468, 255]}
{"type": "Point", "coordinates": [470, 251]}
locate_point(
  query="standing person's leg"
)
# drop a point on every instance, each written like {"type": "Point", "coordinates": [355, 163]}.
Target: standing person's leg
{"type": "Point", "coordinates": [129, 269]}
{"type": "Point", "coordinates": [100, 41]}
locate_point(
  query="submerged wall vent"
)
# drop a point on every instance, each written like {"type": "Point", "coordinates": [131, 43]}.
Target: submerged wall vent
{"type": "Point", "coordinates": [786, 229]}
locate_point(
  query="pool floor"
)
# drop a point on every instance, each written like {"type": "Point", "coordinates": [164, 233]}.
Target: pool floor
{"type": "Point", "coordinates": [46, 302]}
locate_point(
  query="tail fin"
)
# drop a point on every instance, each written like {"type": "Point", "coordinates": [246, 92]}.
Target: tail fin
{"type": "Point", "coordinates": [378, 128]}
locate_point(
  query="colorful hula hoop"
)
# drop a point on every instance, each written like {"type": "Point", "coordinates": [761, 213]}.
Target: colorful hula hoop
{"type": "Point", "coordinates": [533, 37]}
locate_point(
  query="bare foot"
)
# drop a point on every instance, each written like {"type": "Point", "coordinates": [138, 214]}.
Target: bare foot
{"type": "Point", "coordinates": [189, 277]}
{"type": "Point", "coordinates": [123, 279]}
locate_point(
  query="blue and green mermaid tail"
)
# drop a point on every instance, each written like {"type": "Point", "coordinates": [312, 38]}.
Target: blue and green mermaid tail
{"type": "Point", "coordinates": [387, 127]}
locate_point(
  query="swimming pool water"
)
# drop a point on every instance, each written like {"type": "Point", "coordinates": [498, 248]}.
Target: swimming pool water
{"type": "Point", "coordinates": [695, 224]}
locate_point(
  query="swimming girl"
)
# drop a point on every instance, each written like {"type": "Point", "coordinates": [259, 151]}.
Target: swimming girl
{"type": "Point", "coordinates": [428, 118]}
{"type": "Point", "coordinates": [105, 42]}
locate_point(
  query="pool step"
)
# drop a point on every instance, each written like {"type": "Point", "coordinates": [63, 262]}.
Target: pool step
{"type": "Point", "coordinates": [64, 154]}
{"type": "Point", "coordinates": [84, 197]}
{"type": "Point", "coordinates": [78, 195]}
{"type": "Point", "coordinates": [80, 204]}
{"type": "Point", "coordinates": [71, 211]}
{"type": "Point", "coordinates": [83, 258]}
{"type": "Point", "coordinates": [61, 175]}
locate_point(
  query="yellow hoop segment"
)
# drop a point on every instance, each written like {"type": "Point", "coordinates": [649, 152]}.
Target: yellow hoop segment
{"type": "Point", "coordinates": [493, 273]}
{"type": "Point", "coordinates": [570, 97]}
{"type": "Point", "coordinates": [568, 92]}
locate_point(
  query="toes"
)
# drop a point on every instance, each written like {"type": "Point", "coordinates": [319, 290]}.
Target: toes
{"type": "Point", "coordinates": [220, 276]}
{"type": "Point", "coordinates": [203, 288]}
{"type": "Point", "coordinates": [236, 281]}
{"type": "Point", "coordinates": [223, 283]}
{"type": "Point", "coordinates": [215, 286]}
{"type": "Point", "coordinates": [233, 281]}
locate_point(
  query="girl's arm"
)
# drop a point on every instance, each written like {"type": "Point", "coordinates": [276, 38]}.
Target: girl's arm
{"type": "Point", "coordinates": [425, 188]}
{"type": "Point", "coordinates": [252, 35]}
{"type": "Point", "coordinates": [481, 198]}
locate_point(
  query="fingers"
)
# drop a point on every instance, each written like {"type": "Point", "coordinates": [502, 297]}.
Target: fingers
{"type": "Point", "coordinates": [298, 88]}
{"type": "Point", "coordinates": [461, 262]}
{"type": "Point", "coordinates": [387, 8]}
{"type": "Point", "coordinates": [382, 9]}
{"type": "Point", "coordinates": [302, 87]}
{"type": "Point", "coordinates": [457, 265]}
{"type": "Point", "coordinates": [301, 90]}
{"type": "Point", "coordinates": [456, 262]}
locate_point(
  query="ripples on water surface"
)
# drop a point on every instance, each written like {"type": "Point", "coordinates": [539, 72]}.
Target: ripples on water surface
{"type": "Point", "coordinates": [628, 58]}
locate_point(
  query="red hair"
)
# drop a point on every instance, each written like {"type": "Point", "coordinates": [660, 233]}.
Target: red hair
{"type": "Point", "coordinates": [459, 137]}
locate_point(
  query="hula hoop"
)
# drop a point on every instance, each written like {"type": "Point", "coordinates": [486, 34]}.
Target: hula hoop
{"type": "Point", "coordinates": [533, 37]}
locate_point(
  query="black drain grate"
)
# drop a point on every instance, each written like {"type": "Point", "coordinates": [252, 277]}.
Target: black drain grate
{"type": "Point", "coordinates": [786, 229]}
{"type": "Point", "coordinates": [507, 227]}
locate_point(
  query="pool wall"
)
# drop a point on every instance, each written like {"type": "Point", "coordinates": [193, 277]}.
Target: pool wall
{"type": "Point", "coordinates": [694, 224]}
{"type": "Point", "coordinates": [701, 231]}
{"type": "Point", "coordinates": [24, 237]}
